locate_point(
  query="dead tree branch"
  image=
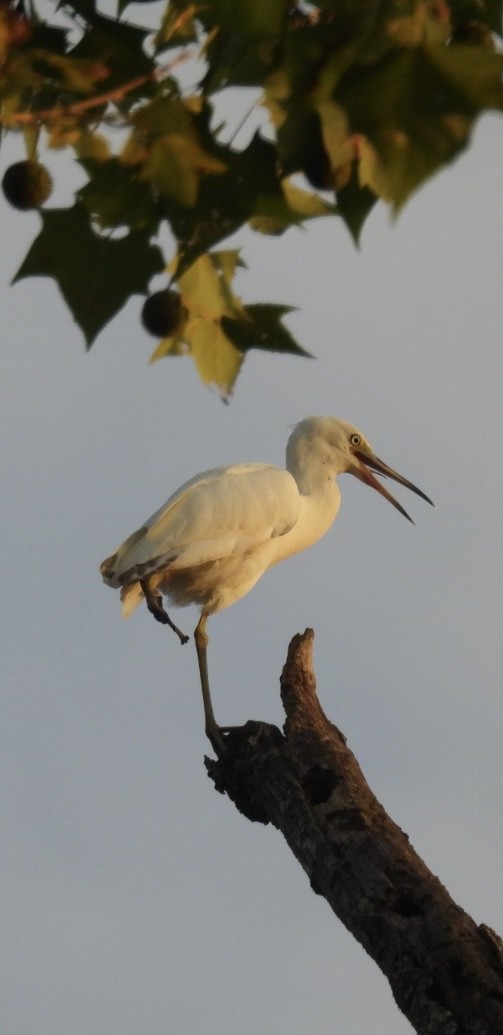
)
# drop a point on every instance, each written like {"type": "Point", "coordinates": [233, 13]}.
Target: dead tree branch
{"type": "Point", "coordinates": [445, 972]}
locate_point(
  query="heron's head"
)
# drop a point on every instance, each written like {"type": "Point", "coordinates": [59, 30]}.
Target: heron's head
{"type": "Point", "coordinates": [343, 448]}
{"type": "Point", "coordinates": [362, 462]}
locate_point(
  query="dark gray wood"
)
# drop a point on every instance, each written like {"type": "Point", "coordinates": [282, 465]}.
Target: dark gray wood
{"type": "Point", "coordinates": [445, 971]}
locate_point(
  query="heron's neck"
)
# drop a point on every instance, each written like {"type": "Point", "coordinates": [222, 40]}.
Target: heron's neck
{"type": "Point", "coordinates": [312, 468]}
{"type": "Point", "coordinates": [320, 500]}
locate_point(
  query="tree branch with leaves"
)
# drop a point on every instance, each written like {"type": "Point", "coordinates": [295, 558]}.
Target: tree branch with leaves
{"type": "Point", "coordinates": [362, 102]}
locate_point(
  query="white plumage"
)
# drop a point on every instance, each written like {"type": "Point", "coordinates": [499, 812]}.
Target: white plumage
{"type": "Point", "coordinates": [214, 518]}
{"type": "Point", "coordinates": [213, 539]}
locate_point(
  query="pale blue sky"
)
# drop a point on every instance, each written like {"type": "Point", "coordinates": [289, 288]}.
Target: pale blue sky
{"type": "Point", "coordinates": [135, 899]}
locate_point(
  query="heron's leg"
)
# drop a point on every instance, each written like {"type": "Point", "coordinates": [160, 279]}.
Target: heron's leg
{"type": "Point", "coordinates": [211, 726]}
{"type": "Point", "coordinates": [155, 605]}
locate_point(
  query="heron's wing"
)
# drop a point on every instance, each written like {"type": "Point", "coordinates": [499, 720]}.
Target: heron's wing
{"type": "Point", "coordinates": [223, 512]}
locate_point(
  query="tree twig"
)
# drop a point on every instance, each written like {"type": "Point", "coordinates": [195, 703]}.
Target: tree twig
{"type": "Point", "coordinates": [76, 108]}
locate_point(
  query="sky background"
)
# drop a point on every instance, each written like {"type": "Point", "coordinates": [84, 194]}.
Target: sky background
{"type": "Point", "coordinates": [135, 898]}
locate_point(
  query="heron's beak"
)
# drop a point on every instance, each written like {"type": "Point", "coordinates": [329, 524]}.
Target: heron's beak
{"type": "Point", "coordinates": [362, 470]}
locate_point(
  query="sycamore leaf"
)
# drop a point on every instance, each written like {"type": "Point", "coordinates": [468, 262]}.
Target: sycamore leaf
{"type": "Point", "coordinates": [472, 73]}
{"type": "Point", "coordinates": [227, 261]}
{"type": "Point", "coordinates": [96, 275]}
{"type": "Point", "coordinates": [306, 204]}
{"type": "Point", "coordinates": [205, 287]}
{"type": "Point", "coordinates": [242, 39]}
{"type": "Point", "coordinates": [86, 8]}
{"type": "Point", "coordinates": [63, 133]}
{"type": "Point", "coordinates": [251, 186]}
{"type": "Point", "coordinates": [217, 360]}
{"type": "Point", "coordinates": [161, 116]}
{"type": "Point", "coordinates": [177, 27]}
{"type": "Point", "coordinates": [92, 145]}
{"type": "Point", "coordinates": [219, 329]}
{"type": "Point", "coordinates": [354, 202]}
{"type": "Point", "coordinates": [274, 215]}
{"type": "Point", "coordinates": [247, 18]}
{"type": "Point", "coordinates": [415, 112]}
{"type": "Point", "coordinates": [367, 100]}
{"type": "Point", "coordinates": [174, 159]}
{"type": "Point", "coordinates": [427, 23]}
{"type": "Point", "coordinates": [335, 133]}
{"type": "Point", "coordinates": [207, 298]}
{"type": "Point", "coordinates": [70, 73]}
{"type": "Point", "coordinates": [175, 165]}
{"type": "Point", "coordinates": [119, 45]}
{"type": "Point", "coordinates": [49, 37]}
{"type": "Point", "coordinates": [115, 196]}
{"type": "Point", "coordinates": [466, 13]}
{"type": "Point", "coordinates": [261, 328]}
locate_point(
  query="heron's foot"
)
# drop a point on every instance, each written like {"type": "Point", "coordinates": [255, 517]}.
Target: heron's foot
{"type": "Point", "coordinates": [248, 731]}
{"type": "Point", "coordinates": [155, 605]}
{"type": "Point", "coordinates": [181, 636]}
{"type": "Point", "coordinates": [162, 616]}
{"type": "Point", "coordinates": [225, 738]}
{"type": "Point", "coordinates": [214, 734]}
{"type": "Point", "coordinates": [239, 731]}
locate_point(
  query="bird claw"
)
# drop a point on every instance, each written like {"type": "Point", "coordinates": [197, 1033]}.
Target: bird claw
{"type": "Point", "coordinates": [162, 616]}
{"type": "Point", "coordinates": [214, 735]}
{"type": "Point", "coordinates": [155, 606]}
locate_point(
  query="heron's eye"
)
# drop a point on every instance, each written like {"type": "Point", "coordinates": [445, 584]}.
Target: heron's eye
{"type": "Point", "coordinates": [355, 440]}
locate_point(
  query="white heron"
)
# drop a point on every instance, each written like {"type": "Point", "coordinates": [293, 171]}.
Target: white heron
{"type": "Point", "coordinates": [214, 538]}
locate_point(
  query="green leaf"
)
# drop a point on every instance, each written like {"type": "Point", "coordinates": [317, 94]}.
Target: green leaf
{"type": "Point", "coordinates": [248, 17]}
{"type": "Point", "coordinates": [49, 37]}
{"type": "Point", "coordinates": [306, 204]}
{"type": "Point", "coordinates": [243, 47]}
{"type": "Point", "coordinates": [466, 12]}
{"type": "Point", "coordinates": [206, 286]}
{"type": "Point", "coordinates": [178, 25]}
{"type": "Point", "coordinates": [175, 158]}
{"type": "Point", "coordinates": [415, 111]}
{"type": "Point", "coordinates": [207, 298]}
{"type": "Point", "coordinates": [87, 8]}
{"type": "Point", "coordinates": [96, 275]}
{"type": "Point", "coordinates": [219, 329]}
{"type": "Point", "coordinates": [162, 116]}
{"type": "Point", "coordinates": [175, 165]}
{"type": "Point", "coordinates": [354, 203]}
{"type": "Point", "coordinates": [119, 46]}
{"type": "Point", "coordinates": [217, 359]}
{"type": "Point", "coordinates": [274, 215]}
{"type": "Point", "coordinates": [69, 73]}
{"type": "Point", "coordinates": [473, 74]}
{"type": "Point", "coordinates": [225, 202]}
{"type": "Point", "coordinates": [262, 329]}
{"type": "Point", "coordinates": [366, 100]}
{"type": "Point", "coordinates": [116, 196]}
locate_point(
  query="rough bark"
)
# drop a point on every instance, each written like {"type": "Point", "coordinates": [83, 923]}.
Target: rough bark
{"type": "Point", "coordinates": [445, 971]}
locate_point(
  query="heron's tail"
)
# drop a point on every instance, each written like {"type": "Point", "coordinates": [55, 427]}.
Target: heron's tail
{"type": "Point", "coordinates": [131, 596]}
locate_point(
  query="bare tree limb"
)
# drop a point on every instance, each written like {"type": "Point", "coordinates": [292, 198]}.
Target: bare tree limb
{"type": "Point", "coordinates": [445, 972]}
